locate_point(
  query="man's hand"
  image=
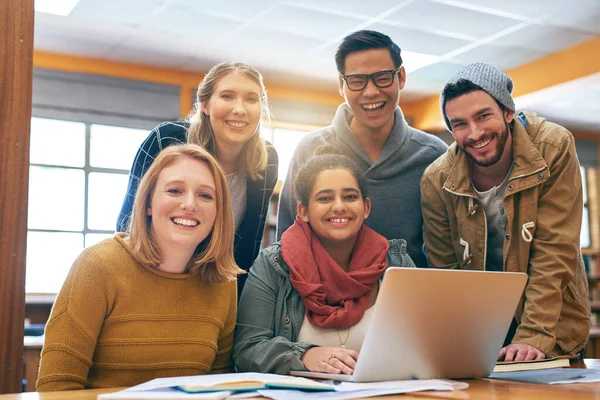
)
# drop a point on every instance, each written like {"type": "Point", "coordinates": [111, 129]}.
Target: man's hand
{"type": "Point", "coordinates": [333, 360]}
{"type": "Point", "coordinates": [520, 352]}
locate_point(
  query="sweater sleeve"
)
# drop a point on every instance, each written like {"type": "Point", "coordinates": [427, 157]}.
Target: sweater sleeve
{"type": "Point", "coordinates": [257, 349]}
{"type": "Point", "coordinates": [222, 362]}
{"type": "Point", "coordinates": [74, 325]}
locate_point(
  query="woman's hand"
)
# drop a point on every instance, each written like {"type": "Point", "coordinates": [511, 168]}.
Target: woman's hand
{"type": "Point", "coordinates": [332, 360]}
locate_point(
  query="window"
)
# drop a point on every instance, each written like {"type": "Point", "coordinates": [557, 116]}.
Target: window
{"type": "Point", "coordinates": [77, 181]}
{"type": "Point", "coordinates": [285, 142]}
{"type": "Point", "coordinates": [585, 236]}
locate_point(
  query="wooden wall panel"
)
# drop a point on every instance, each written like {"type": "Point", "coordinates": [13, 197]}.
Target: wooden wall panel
{"type": "Point", "coordinates": [16, 69]}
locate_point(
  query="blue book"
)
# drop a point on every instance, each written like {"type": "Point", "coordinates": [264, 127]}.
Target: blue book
{"type": "Point", "coordinates": [546, 376]}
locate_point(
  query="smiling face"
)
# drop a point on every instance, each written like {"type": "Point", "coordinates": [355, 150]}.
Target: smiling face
{"type": "Point", "coordinates": [373, 107]}
{"type": "Point", "coordinates": [336, 209]}
{"type": "Point", "coordinates": [480, 127]}
{"type": "Point", "coordinates": [234, 109]}
{"type": "Point", "coordinates": [183, 206]}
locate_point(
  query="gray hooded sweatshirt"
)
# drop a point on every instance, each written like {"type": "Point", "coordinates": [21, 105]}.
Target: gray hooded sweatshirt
{"type": "Point", "coordinates": [392, 180]}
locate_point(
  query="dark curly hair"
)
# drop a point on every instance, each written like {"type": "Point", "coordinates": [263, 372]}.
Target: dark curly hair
{"type": "Point", "coordinates": [326, 158]}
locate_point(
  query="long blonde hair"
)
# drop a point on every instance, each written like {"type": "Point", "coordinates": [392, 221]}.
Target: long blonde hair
{"type": "Point", "coordinates": [213, 258]}
{"type": "Point", "coordinates": [254, 157]}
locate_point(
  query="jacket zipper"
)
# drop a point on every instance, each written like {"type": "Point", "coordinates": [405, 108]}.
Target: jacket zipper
{"type": "Point", "coordinates": [485, 218]}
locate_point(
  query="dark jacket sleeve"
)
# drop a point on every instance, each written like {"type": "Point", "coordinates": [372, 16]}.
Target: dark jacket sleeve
{"type": "Point", "coordinates": [249, 235]}
{"type": "Point", "coordinates": [398, 255]}
{"type": "Point", "coordinates": [270, 180]}
{"type": "Point", "coordinates": [286, 210]}
{"type": "Point", "coordinates": [272, 166]}
{"type": "Point", "coordinates": [164, 134]}
{"type": "Point", "coordinates": [271, 177]}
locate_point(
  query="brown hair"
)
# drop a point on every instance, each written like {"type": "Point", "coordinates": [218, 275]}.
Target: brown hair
{"type": "Point", "coordinates": [254, 154]}
{"type": "Point", "coordinates": [325, 158]}
{"type": "Point", "coordinates": [213, 258]}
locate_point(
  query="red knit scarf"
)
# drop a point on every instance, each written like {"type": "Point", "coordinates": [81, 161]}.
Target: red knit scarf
{"type": "Point", "coordinates": [333, 298]}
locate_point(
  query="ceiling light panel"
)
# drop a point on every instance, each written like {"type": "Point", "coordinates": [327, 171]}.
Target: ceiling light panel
{"type": "Point", "coordinates": [57, 7]}
{"type": "Point", "coordinates": [430, 15]}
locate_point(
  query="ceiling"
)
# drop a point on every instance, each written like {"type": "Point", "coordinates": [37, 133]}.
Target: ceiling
{"type": "Point", "coordinates": [293, 42]}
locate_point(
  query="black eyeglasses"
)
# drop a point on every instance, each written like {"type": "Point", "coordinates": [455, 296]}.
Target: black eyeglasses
{"type": "Point", "coordinates": [381, 79]}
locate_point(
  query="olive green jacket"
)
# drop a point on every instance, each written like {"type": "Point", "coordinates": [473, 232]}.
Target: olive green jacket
{"type": "Point", "coordinates": [271, 313]}
{"type": "Point", "coordinates": [543, 202]}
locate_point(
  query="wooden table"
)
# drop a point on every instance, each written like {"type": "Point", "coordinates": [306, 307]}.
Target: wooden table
{"type": "Point", "coordinates": [478, 389]}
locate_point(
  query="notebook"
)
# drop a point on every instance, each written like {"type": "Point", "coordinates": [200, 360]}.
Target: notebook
{"type": "Point", "coordinates": [547, 363]}
{"type": "Point", "coordinates": [435, 323]}
{"type": "Point", "coordinates": [245, 382]}
{"type": "Point", "coordinates": [214, 386]}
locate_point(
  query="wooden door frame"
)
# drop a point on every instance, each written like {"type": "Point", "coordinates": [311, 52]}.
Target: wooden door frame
{"type": "Point", "coordinates": [16, 71]}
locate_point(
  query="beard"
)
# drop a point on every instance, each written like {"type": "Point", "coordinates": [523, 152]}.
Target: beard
{"type": "Point", "coordinates": [499, 150]}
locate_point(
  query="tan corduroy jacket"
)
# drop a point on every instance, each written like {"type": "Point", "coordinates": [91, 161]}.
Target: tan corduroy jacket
{"type": "Point", "coordinates": [543, 202]}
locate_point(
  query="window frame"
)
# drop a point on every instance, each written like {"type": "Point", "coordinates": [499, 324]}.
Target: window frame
{"type": "Point", "coordinates": [87, 170]}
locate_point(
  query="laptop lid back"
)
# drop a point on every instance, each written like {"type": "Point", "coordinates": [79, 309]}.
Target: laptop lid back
{"type": "Point", "coordinates": [435, 323]}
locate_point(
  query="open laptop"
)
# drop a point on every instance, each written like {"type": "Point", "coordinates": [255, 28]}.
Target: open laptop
{"type": "Point", "coordinates": [435, 323]}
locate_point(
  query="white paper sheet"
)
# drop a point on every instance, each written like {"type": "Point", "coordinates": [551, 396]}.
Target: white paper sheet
{"type": "Point", "coordinates": [162, 388]}
{"type": "Point", "coordinates": [349, 390]}
{"type": "Point", "coordinates": [553, 376]}
{"type": "Point", "coordinates": [412, 385]}
{"type": "Point", "coordinates": [589, 378]}
{"type": "Point", "coordinates": [212, 380]}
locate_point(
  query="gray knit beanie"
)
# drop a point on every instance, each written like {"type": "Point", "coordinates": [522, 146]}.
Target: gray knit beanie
{"type": "Point", "coordinates": [489, 78]}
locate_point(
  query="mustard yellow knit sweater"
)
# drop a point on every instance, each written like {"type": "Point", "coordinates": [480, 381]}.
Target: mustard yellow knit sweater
{"type": "Point", "coordinates": [118, 323]}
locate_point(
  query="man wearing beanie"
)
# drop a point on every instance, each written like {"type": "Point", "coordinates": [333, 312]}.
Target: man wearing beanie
{"type": "Point", "coordinates": [507, 196]}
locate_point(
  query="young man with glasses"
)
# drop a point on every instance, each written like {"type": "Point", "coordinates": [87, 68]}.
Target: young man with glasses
{"type": "Point", "coordinates": [370, 129]}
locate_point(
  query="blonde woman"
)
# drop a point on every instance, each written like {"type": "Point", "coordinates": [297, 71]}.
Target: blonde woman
{"type": "Point", "coordinates": [230, 103]}
{"type": "Point", "coordinates": [158, 302]}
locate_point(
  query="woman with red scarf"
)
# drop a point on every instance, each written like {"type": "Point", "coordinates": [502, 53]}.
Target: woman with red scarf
{"type": "Point", "coordinates": [308, 299]}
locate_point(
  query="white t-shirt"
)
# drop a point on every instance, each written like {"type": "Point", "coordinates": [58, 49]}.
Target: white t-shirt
{"type": "Point", "coordinates": [493, 203]}
{"type": "Point", "coordinates": [238, 188]}
{"type": "Point", "coordinates": [351, 338]}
